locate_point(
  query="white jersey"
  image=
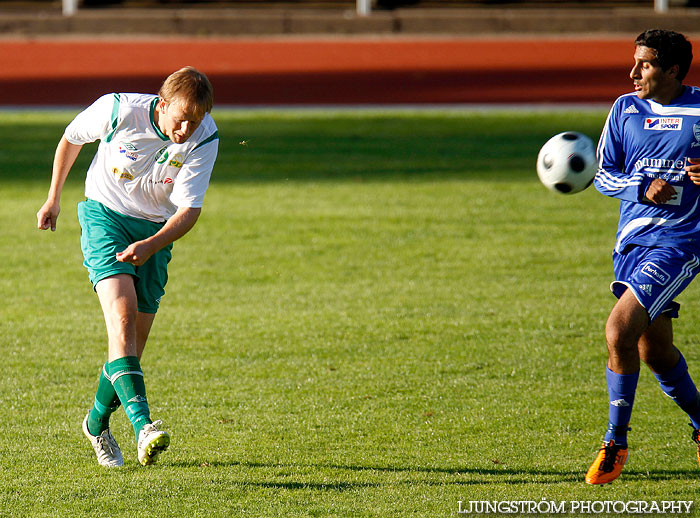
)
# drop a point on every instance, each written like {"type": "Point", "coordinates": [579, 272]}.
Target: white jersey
{"type": "Point", "coordinates": [137, 170]}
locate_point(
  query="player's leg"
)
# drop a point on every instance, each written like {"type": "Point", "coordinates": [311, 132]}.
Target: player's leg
{"type": "Point", "coordinates": [671, 370]}
{"type": "Point", "coordinates": [127, 330]}
{"type": "Point", "coordinates": [654, 277]}
{"type": "Point", "coordinates": [679, 386]}
{"type": "Point", "coordinates": [99, 238]}
{"type": "Point", "coordinates": [144, 322]}
{"type": "Point", "coordinates": [656, 347]}
{"type": "Point", "coordinates": [667, 363]}
{"type": "Point", "coordinates": [151, 441]}
{"type": "Point", "coordinates": [96, 423]}
{"type": "Point", "coordinates": [117, 297]}
{"type": "Point", "coordinates": [639, 327]}
{"type": "Point", "coordinates": [119, 307]}
{"type": "Point", "coordinates": [106, 402]}
{"type": "Point", "coordinates": [103, 233]}
{"type": "Point", "coordinates": [627, 322]}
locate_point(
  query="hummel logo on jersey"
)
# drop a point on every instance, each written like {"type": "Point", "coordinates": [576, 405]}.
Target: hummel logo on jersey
{"type": "Point", "coordinates": [631, 109]}
{"type": "Point", "coordinates": [646, 288]}
{"type": "Point", "coordinates": [619, 403]}
{"type": "Point", "coordinates": [663, 123]}
{"type": "Point", "coordinates": [137, 399]}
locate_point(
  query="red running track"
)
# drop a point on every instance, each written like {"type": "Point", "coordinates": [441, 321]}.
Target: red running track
{"type": "Point", "coordinates": [325, 71]}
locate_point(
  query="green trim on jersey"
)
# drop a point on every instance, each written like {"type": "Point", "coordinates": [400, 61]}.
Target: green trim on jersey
{"type": "Point", "coordinates": [115, 118]}
{"type": "Point", "coordinates": [153, 120]}
{"type": "Point", "coordinates": [210, 138]}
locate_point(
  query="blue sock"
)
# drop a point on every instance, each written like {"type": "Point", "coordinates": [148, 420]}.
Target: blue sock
{"type": "Point", "coordinates": [678, 385]}
{"type": "Point", "coordinates": [621, 390]}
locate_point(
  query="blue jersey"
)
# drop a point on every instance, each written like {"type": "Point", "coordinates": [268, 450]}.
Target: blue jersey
{"type": "Point", "coordinates": [643, 140]}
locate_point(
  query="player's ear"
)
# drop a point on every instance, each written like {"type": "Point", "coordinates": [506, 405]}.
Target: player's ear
{"type": "Point", "coordinates": [672, 71]}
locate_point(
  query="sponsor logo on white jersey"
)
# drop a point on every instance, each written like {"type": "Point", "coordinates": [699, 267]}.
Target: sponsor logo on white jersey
{"type": "Point", "coordinates": [163, 181]}
{"type": "Point", "coordinates": [162, 155]}
{"type": "Point", "coordinates": [176, 160]}
{"type": "Point", "coordinates": [663, 123]}
{"type": "Point", "coordinates": [631, 109]}
{"type": "Point", "coordinates": [651, 270]}
{"type": "Point", "coordinates": [129, 150]}
{"type": "Point", "coordinates": [122, 174]}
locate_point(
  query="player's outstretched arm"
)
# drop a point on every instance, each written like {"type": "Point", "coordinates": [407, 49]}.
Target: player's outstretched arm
{"type": "Point", "coordinates": [65, 156]}
{"type": "Point", "coordinates": [182, 222]}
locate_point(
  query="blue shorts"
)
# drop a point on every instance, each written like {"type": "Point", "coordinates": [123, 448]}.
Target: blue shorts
{"type": "Point", "coordinates": [655, 275]}
{"type": "Point", "coordinates": [103, 233]}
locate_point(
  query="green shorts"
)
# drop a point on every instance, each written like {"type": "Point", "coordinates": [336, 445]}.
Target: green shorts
{"type": "Point", "coordinates": [103, 233]}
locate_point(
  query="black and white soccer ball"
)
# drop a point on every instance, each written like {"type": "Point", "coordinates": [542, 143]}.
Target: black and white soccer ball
{"type": "Point", "coordinates": [567, 162]}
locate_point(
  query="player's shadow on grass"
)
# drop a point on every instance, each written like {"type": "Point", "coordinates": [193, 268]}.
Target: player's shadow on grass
{"type": "Point", "coordinates": [476, 476]}
{"type": "Point", "coordinates": [316, 486]}
{"type": "Point", "coordinates": [665, 474]}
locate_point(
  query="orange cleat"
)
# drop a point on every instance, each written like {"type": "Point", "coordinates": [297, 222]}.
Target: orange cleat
{"type": "Point", "coordinates": [608, 464]}
{"type": "Point", "coordinates": [697, 440]}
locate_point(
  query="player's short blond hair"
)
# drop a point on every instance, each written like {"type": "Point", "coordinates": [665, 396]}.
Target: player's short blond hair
{"type": "Point", "coordinates": [191, 88]}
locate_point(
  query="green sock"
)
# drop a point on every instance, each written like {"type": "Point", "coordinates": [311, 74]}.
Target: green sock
{"type": "Point", "coordinates": [106, 402]}
{"type": "Point", "coordinates": [127, 379]}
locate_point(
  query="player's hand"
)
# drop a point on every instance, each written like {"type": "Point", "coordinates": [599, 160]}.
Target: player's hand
{"type": "Point", "coordinates": [660, 191]}
{"type": "Point", "coordinates": [47, 216]}
{"type": "Point", "coordinates": [136, 253]}
{"type": "Point", "coordinates": [693, 170]}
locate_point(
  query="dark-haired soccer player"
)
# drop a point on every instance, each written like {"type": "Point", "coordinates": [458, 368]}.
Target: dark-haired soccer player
{"type": "Point", "coordinates": [145, 189]}
{"type": "Point", "coordinates": [643, 154]}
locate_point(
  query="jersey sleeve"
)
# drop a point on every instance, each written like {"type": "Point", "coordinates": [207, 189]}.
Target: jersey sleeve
{"type": "Point", "coordinates": [192, 181]}
{"type": "Point", "coordinates": [612, 178]}
{"type": "Point", "coordinates": [96, 122]}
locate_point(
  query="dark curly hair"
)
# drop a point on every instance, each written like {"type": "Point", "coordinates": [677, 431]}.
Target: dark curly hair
{"type": "Point", "coordinates": [672, 48]}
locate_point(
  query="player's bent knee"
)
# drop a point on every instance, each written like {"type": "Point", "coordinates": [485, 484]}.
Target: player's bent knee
{"type": "Point", "coordinates": [620, 337]}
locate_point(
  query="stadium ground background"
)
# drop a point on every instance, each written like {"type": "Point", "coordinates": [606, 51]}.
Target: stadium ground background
{"type": "Point", "coordinates": [295, 56]}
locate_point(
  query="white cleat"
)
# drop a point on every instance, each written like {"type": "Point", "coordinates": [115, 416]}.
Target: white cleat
{"type": "Point", "coordinates": [106, 448]}
{"type": "Point", "coordinates": [151, 442]}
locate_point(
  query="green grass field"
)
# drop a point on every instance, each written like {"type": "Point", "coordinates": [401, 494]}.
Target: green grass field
{"type": "Point", "coordinates": [378, 314]}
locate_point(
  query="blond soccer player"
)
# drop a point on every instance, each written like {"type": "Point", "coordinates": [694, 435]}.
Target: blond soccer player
{"type": "Point", "coordinates": [144, 190]}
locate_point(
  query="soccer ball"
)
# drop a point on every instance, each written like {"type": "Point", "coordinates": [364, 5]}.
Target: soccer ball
{"type": "Point", "coordinates": [567, 163]}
